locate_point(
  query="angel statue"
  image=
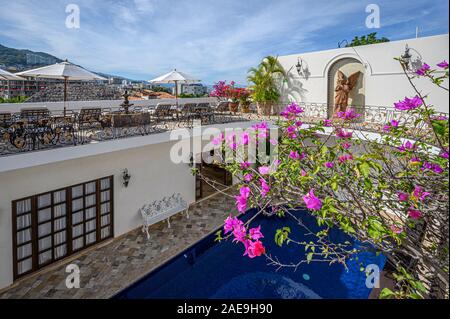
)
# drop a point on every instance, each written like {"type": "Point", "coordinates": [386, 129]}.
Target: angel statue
{"type": "Point", "coordinates": [343, 88]}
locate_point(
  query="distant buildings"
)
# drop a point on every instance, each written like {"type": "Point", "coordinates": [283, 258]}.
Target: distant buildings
{"type": "Point", "coordinates": [196, 89]}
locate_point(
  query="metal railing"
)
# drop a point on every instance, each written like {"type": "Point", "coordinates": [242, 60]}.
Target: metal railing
{"type": "Point", "coordinates": [38, 128]}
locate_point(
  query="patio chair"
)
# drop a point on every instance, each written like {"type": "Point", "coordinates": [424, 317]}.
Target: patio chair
{"type": "Point", "coordinates": [163, 112]}
{"type": "Point", "coordinates": [222, 112]}
{"type": "Point", "coordinates": [5, 119]}
{"type": "Point", "coordinates": [188, 113]}
{"type": "Point", "coordinates": [205, 112]}
{"type": "Point", "coordinates": [33, 115]}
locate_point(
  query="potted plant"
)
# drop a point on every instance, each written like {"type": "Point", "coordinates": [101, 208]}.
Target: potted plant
{"type": "Point", "coordinates": [244, 100]}
{"type": "Point", "coordinates": [233, 97]}
{"type": "Point", "coordinates": [265, 79]}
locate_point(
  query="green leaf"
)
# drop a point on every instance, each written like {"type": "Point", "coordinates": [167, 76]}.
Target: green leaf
{"type": "Point", "coordinates": [364, 168]}
{"type": "Point", "coordinates": [309, 257]}
{"type": "Point", "coordinates": [386, 293]}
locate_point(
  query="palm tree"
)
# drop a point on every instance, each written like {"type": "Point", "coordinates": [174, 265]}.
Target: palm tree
{"type": "Point", "coordinates": [265, 79]}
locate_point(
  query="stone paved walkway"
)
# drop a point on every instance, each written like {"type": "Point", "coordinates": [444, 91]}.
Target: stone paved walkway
{"type": "Point", "coordinates": [108, 269]}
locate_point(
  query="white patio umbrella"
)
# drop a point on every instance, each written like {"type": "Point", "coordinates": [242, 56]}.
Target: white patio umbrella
{"type": "Point", "coordinates": [174, 77]}
{"type": "Point", "coordinates": [8, 76]}
{"type": "Point", "coordinates": [63, 71]}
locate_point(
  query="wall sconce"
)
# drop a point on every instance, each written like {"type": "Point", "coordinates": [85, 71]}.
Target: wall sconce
{"type": "Point", "coordinates": [406, 57]}
{"type": "Point", "coordinates": [299, 66]}
{"type": "Point", "coordinates": [126, 177]}
{"type": "Point", "coordinates": [191, 160]}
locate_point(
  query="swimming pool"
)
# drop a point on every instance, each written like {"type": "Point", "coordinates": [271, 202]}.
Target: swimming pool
{"type": "Point", "coordinates": [211, 270]}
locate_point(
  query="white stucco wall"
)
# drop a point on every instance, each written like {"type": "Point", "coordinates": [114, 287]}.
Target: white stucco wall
{"type": "Point", "coordinates": [385, 82]}
{"type": "Point", "coordinates": [153, 176]}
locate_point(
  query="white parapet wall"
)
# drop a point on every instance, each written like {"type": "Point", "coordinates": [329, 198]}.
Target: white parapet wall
{"type": "Point", "coordinates": [384, 81]}
{"type": "Point", "coordinates": [76, 105]}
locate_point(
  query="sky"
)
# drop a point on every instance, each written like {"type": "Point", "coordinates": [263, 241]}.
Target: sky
{"type": "Point", "coordinates": [210, 39]}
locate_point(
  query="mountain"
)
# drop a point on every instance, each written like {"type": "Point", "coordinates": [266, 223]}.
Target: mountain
{"type": "Point", "coordinates": [16, 60]}
{"type": "Point", "coordinates": [20, 60]}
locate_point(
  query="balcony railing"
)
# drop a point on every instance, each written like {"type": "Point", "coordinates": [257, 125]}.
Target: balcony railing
{"type": "Point", "coordinates": [40, 129]}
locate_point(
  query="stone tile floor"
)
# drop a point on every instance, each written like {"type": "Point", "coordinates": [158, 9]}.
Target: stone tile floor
{"type": "Point", "coordinates": [105, 270]}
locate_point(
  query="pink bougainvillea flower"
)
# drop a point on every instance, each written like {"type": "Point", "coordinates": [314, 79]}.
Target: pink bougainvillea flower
{"type": "Point", "coordinates": [439, 118]}
{"type": "Point", "coordinates": [419, 194]}
{"type": "Point", "coordinates": [276, 163]}
{"type": "Point", "coordinates": [244, 165]}
{"type": "Point", "coordinates": [344, 134]}
{"type": "Point", "coordinates": [437, 169]}
{"type": "Point", "coordinates": [408, 104]}
{"type": "Point", "coordinates": [273, 142]}
{"type": "Point", "coordinates": [433, 167]}
{"type": "Point", "coordinates": [291, 111]}
{"type": "Point", "coordinates": [255, 233]}
{"type": "Point", "coordinates": [264, 170]}
{"type": "Point", "coordinates": [396, 229]}
{"type": "Point", "coordinates": [443, 65]}
{"type": "Point", "coordinates": [348, 115]}
{"type": "Point", "coordinates": [239, 233]}
{"type": "Point", "coordinates": [407, 146]}
{"type": "Point", "coordinates": [444, 154]}
{"type": "Point", "coordinates": [329, 164]}
{"type": "Point", "coordinates": [423, 70]}
{"type": "Point", "coordinates": [303, 173]}
{"type": "Point", "coordinates": [218, 140]}
{"type": "Point", "coordinates": [245, 138]}
{"type": "Point", "coordinates": [345, 158]}
{"type": "Point", "coordinates": [327, 123]}
{"type": "Point", "coordinates": [265, 188]}
{"type": "Point", "coordinates": [291, 132]}
{"type": "Point", "coordinates": [241, 200]}
{"type": "Point", "coordinates": [230, 138]}
{"type": "Point", "coordinates": [254, 249]}
{"type": "Point", "coordinates": [391, 125]}
{"type": "Point", "coordinates": [414, 213]}
{"type": "Point", "coordinates": [296, 156]}
{"type": "Point", "coordinates": [415, 161]}
{"type": "Point", "coordinates": [311, 201]}
{"type": "Point", "coordinates": [346, 145]}
{"type": "Point", "coordinates": [298, 123]}
{"type": "Point", "coordinates": [403, 197]}
{"type": "Point", "coordinates": [230, 223]}
{"type": "Point", "coordinates": [248, 177]}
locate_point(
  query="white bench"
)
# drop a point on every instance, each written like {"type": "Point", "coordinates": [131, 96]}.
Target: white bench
{"type": "Point", "coordinates": [162, 209]}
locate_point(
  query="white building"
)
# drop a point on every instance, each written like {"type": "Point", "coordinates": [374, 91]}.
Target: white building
{"type": "Point", "coordinates": [191, 88]}
{"type": "Point", "coordinates": [382, 81]}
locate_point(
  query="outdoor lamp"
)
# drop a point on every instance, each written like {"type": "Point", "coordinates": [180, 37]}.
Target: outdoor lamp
{"type": "Point", "coordinates": [299, 66]}
{"type": "Point", "coordinates": [126, 177]}
{"type": "Point", "coordinates": [406, 57]}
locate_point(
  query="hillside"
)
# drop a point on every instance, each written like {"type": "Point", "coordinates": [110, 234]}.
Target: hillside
{"type": "Point", "coordinates": [19, 60]}
{"type": "Point", "coordinates": [24, 59]}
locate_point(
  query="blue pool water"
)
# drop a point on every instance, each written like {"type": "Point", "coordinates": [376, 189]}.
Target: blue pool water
{"type": "Point", "coordinates": [211, 270]}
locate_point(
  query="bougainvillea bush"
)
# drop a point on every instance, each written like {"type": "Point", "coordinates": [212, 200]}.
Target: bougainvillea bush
{"type": "Point", "coordinates": [388, 189]}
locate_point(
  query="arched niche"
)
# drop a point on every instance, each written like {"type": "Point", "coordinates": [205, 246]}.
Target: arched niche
{"type": "Point", "coordinates": [356, 96]}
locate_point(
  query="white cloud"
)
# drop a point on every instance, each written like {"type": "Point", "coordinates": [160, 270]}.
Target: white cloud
{"type": "Point", "coordinates": [210, 39]}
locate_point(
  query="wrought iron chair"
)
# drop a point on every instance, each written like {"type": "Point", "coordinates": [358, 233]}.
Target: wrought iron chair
{"type": "Point", "coordinates": [188, 114]}
{"type": "Point", "coordinates": [222, 112]}
{"type": "Point", "coordinates": [206, 113]}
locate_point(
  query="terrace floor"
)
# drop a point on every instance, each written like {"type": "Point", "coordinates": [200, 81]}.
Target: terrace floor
{"type": "Point", "coordinates": [107, 269]}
